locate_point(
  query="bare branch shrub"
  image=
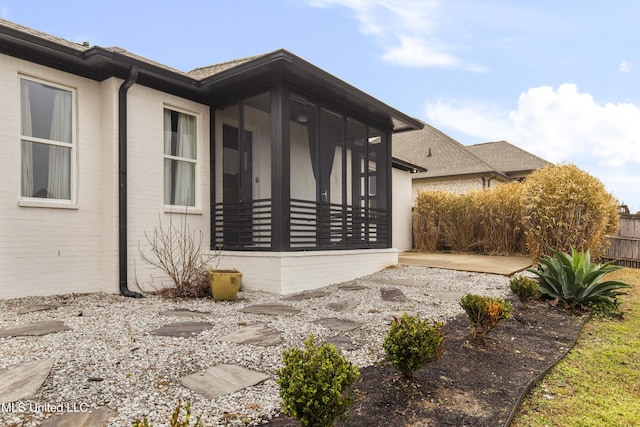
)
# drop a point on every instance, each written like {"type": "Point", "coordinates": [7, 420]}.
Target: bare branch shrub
{"type": "Point", "coordinates": [179, 252]}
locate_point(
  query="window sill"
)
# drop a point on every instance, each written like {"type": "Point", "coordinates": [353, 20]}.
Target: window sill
{"type": "Point", "coordinates": [182, 210]}
{"type": "Point", "coordinates": [51, 204]}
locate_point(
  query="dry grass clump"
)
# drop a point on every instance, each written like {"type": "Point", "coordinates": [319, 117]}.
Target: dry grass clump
{"type": "Point", "coordinates": [557, 206]}
{"type": "Point", "coordinates": [566, 207]}
{"type": "Point", "coordinates": [430, 211]}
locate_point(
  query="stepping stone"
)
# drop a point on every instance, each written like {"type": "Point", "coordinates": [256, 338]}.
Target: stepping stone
{"type": "Point", "coordinates": [338, 324]}
{"type": "Point", "coordinates": [182, 330]}
{"type": "Point", "coordinates": [91, 418]}
{"type": "Point", "coordinates": [23, 380]}
{"type": "Point", "coordinates": [31, 308]}
{"type": "Point", "coordinates": [256, 334]}
{"type": "Point", "coordinates": [270, 308]}
{"type": "Point", "coordinates": [346, 305]}
{"type": "Point", "coordinates": [351, 287]}
{"type": "Point", "coordinates": [35, 329]}
{"type": "Point", "coordinates": [185, 313]}
{"type": "Point", "coordinates": [447, 296]}
{"type": "Point", "coordinates": [401, 282]}
{"type": "Point", "coordinates": [307, 295]}
{"type": "Point", "coordinates": [221, 379]}
{"type": "Point", "coordinates": [392, 295]}
{"type": "Point", "coordinates": [342, 343]}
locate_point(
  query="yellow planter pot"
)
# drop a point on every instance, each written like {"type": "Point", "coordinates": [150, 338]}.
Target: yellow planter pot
{"type": "Point", "coordinates": [225, 284]}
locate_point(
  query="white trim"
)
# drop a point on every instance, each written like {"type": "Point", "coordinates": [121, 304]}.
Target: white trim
{"type": "Point", "coordinates": [197, 208]}
{"type": "Point", "coordinates": [73, 146]}
{"type": "Point", "coordinates": [36, 202]}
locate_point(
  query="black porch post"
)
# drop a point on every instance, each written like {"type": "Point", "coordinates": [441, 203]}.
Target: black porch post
{"type": "Point", "coordinates": [389, 184]}
{"type": "Point", "coordinates": [280, 171]}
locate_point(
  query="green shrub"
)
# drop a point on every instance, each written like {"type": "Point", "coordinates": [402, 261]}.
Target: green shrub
{"type": "Point", "coordinates": [566, 207]}
{"type": "Point", "coordinates": [484, 312]}
{"type": "Point", "coordinates": [174, 421]}
{"type": "Point", "coordinates": [574, 280]}
{"type": "Point", "coordinates": [314, 382]}
{"type": "Point", "coordinates": [524, 287]}
{"type": "Point", "coordinates": [412, 342]}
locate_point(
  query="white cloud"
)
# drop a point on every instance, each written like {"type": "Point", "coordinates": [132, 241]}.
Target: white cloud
{"type": "Point", "coordinates": [555, 124]}
{"type": "Point", "coordinates": [407, 30]}
{"type": "Point", "coordinates": [625, 66]}
{"type": "Point", "coordinates": [560, 125]}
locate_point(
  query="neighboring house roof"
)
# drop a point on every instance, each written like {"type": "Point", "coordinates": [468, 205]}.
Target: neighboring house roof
{"type": "Point", "coordinates": [214, 85]}
{"type": "Point", "coordinates": [440, 154]}
{"type": "Point", "coordinates": [443, 156]}
{"type": "Point", "coordinates": [507, 158]}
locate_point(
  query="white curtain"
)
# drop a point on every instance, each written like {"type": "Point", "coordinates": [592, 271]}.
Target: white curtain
{"type": "Point", "coordinates": [59, 182]}
{"type": "Point", "coordinates": [167, 162]}
{"type": "Point", "coordinates": [27, 146]}
{"type": "Point", "coordinates": [185, 171]}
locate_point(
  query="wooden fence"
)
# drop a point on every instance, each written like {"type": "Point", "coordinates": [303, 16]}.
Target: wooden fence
{"type": "Point", "coordinates": [625, 245]}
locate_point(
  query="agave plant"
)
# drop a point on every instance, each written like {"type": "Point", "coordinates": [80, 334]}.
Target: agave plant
{"type": "Point", "coordinates": [573, 280]}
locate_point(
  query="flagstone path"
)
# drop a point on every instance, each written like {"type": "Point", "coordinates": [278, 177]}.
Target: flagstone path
{"type": "Point", "coordinates": [22, 381]}
{"type": "Point", "coordinates": [183, 329]}
{"type": "Point", "coordinates": [392, 295]}
{"type": "Point", "coordinates": [91, 418]}
{"type": "Point", "coordinates": [222, 379]}
{"type": "Point", "coordinates": [34, 329]}
{"type": "Point", "coordinates": [256, 334]}
{"type": "Point", "coordinates": [274, 309]}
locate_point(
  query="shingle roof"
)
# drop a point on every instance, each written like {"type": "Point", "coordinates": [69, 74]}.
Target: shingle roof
{"type": "Point", "coordinates": [440, 154]}
{"type": "Point", "coordinates": [506, 157]}
{"type": "Point", "coordinates": [220, 82]}
{"type": "Point", "coordinates": [202, 73]}
{"type": "Point", "coordinates": [80, 47]}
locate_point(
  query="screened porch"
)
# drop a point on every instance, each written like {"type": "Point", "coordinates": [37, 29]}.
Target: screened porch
{"type": "Point", "coordinates": [295, 172]}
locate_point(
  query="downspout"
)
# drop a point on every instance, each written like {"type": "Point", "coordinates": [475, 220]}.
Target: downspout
{"type": "Point", "coordinates": [122, 180]}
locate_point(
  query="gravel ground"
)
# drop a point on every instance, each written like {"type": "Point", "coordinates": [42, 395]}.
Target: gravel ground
{"type": "Point", "coordinates": [110, 359]}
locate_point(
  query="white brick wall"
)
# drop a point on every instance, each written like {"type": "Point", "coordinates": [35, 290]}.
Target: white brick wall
{"type": "Point", "coordinates": [145, 178]}
{"type": "Point", "coordinates": [46, 250]}
{"type": "Point", "coordinates": [402, 220]}
{"type": "Point", "coordinates": [289, 272]}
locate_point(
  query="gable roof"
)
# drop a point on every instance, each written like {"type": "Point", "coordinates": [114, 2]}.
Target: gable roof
{"type": "Point", "coordinates": [443, 156]}
{"type": "Point", "coordinates": [213, 85]}
{"type": "Point", "coordinates": [440, 154]}
{"type": "Point", "coordinates": [506, 157]}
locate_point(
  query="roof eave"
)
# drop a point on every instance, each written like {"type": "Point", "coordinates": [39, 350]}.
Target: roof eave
{"type": "Point", "coordinates": [406, 166]}
{"type": "Point", "coordinates": [98, 63]}
{"type": "Point", "coordinates": [289, 67]}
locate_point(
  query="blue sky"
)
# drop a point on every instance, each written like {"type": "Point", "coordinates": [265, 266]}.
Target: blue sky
{"type": "Point", "coordinates": [557, 78]}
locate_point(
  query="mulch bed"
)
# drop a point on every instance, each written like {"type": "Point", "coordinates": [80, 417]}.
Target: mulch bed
{"type": "Point", "coordinates": [475, 383]}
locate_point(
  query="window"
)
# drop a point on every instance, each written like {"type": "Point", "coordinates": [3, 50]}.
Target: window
{"type": "Point", "coordinates": [180, 158]}
{"type": "Point", "coordinates": [46, 141]}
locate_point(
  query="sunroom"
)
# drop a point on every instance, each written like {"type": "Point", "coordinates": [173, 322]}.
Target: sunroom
{"type": "Point", "coordinates": [301, 173]}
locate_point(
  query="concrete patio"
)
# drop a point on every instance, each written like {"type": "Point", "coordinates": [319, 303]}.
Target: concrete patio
{"type": "Point", "coordinates": [504, 265]}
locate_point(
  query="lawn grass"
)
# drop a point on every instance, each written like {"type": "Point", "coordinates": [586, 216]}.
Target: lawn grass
{"type": "Point", "coordinates": [598, 382]}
